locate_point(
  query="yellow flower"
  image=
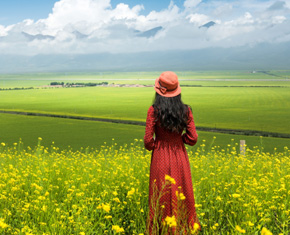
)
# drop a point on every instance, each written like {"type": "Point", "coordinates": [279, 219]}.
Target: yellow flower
{"type": "Point", "coordinates": [218, 198]}
{"type": "Point", "coordinates": [82, 233]}
{"type": "Point", "coordinates": [240, 230]}
{"type": "Point", "coordinates": [2, 224]}
{"type": "Point", "coordinates": [170, 221]}
{"type": "Point", "coordinates": [196, 226]}
{"type": "Point", "coordinates": [172, 181]}
{"type": "Point", "coordinates": [250, 224]}
{"type": "Point", "coordinates": [131, 192]}
{"type": "Point", "coordinates": [116, 200]}
{"type": "Point", "coordinates": [235, 195]}
{"type": "Point", "coordinates": [117, 229]}
{"type": "Point", "coordinates": [265, 231]}
{"type": "Point", "coordinates": [44, 208]}
{"type": "Point", "coordinates": [105, 207]}
{"type": "Point", "coordinates": [180, 196]}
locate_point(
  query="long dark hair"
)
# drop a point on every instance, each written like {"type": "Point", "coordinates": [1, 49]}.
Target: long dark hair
{"type": "Point", "coordinates": [171, 112]}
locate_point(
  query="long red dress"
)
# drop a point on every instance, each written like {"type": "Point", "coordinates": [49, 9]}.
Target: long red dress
{"type": "Point", "coordinates": [169, 157]}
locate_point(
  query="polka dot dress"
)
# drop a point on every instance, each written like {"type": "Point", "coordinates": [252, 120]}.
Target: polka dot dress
{"type": "Point", "coordinates": [169, 157]}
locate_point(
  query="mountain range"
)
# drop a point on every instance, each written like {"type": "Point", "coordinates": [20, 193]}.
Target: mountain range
{"type": "Point", "coordinates": [264, 56]}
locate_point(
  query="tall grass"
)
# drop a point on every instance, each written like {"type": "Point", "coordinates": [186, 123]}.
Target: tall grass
{"type": "Point", "coordinates": [105, 190]}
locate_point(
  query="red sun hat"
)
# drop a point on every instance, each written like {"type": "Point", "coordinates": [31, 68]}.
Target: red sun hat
{"type": "Point", "coordinates": [167, 84]}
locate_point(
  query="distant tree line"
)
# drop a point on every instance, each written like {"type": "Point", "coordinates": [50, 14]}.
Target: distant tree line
{"type": "Point", "coordinates": [68, 84]}
{"type": "Point", "coordinates": [16, 88]}
{"type": "Point", "coordinates": [57, 83]}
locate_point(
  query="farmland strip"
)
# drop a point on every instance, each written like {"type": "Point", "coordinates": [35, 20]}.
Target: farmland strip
{"type": "Point", "coordinates": [139, 123]}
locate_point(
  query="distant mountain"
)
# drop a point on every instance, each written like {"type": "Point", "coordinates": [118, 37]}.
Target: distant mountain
{"type": "Point", "coordinates": [261, 57]}
{"type": "Point", "coordinates": [31, 37]}
{"type": "Point", "coordinates": [208, 25]}
{"type": "Point", "coordinates": [79, 35]}
{"type": "Point", "coordinates": [149, 33]}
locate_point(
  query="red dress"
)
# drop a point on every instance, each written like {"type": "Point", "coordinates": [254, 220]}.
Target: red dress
{"type": "Point", "coordinates": [169, 157]}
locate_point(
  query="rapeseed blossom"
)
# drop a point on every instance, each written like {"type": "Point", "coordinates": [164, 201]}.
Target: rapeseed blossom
{"type": "Point", "coordinates": [131, 192]}
{"type": "Point", "coordinates": [180, 196]}
{"type": "Point", "coordinates": [106, 207]}
{"type": "Point", "coordinates": [170, 179]}
{"type": "Point", "coordinates": [195, 228]}
{"type": "Point", "coordinates": [250, 224]}
{"type": "Point", "coordinates": [117, 229]}
{"type": "Point", "coordinates": [240, 230]}
{"type": "Point", "coordinates": [235, 195]}
{"type": "Point", "coordinates": [171, 221]}
{"type": "Point", "coordinates": [218, 198]}
{"type": "Point", "coordinates": [265, 231]}
{"type": "Point", "coordinates": [2, 224]}
{"type": "Point", "coordinates": [68, 190]}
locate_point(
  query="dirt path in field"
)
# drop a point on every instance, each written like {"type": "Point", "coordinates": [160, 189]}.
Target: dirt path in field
{"type": "Point", "coordinates": [139, 123]}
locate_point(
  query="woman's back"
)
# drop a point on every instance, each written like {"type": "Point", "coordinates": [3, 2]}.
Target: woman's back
{"type": "Point", "coordinates": [169, 156]}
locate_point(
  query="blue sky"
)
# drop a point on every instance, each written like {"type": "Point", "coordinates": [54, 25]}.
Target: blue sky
{"type": "Point", "coordinates": [14, 11]}
{"type": "Point", "coordinates": [118, 26]}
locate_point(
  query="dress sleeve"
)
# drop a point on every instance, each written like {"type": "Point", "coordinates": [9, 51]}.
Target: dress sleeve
{"type": "Point", "coordinates": [150, 129]}
{"type": "Point", "coordinates": [190, 136]}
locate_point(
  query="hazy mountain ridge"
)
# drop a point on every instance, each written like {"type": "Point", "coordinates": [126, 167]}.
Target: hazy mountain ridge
{"type": "Point", "coordinates": [262, 56]}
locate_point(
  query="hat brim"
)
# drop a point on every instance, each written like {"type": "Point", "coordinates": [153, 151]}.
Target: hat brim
{"type": "Point", "coordinates": [176, 92]}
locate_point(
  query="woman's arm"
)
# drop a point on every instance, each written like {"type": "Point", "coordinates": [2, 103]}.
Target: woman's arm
{"type": "Point", "coordinates": [190, 136]}
{"type": "Point", "coordinates": [150, 129]}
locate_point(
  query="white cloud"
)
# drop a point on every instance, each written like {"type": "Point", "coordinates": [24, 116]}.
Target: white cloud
{"type": "Point", "coordinates": [223, 11]}
{"type": "Point", "coordinates": [191, 3]}
{"type": "Point", "coordinates": [278, 19]}
{"type": "Point", "coordinates": [3, 31]}
{"type": "Point", "coordinates": [93, 26]}
{"type": "Point", "coordinates": [198, 19]}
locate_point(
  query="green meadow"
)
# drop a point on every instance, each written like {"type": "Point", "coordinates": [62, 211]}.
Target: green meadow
{"type": "Point", "coordinates": [249, 108]}
{"type": "Point", "coordinates": [77, 134]}
{"type": "Point", "coordinates": [219, 99]}
{"type": "Point", "coordinates": [186, 78]}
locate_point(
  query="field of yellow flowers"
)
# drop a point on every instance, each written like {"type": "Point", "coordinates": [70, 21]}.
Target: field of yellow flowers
{"type": "Point", "coordinates": [105, 190]}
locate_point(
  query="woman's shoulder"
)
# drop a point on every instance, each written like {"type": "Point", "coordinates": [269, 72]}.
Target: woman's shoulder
{"type": "Point", "coordinates": [188, 108]}
{"type": "Point", "coordinates": [150, 110]}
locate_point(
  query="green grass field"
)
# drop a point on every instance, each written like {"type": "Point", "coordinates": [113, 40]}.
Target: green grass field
{"type": "Point", "coordinates": [77, 134]}
{"type": "Point", "coordinates": [219, 104]}
{"type": "Point", "coordinates": [185, 77]}
{"type": "Point", "coordinates": [262, 109]}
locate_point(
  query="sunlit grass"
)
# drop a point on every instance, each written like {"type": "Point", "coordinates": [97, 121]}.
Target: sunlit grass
{"type": "Point", "coordinates": [248, 108]}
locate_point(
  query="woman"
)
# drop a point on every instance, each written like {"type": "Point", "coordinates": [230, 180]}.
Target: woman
{"type": "Point", "coordinates": [167, 118]}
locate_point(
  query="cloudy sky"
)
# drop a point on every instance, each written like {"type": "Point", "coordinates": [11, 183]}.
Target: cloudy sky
{"type": "Point", "coordinates": [121, 26]}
